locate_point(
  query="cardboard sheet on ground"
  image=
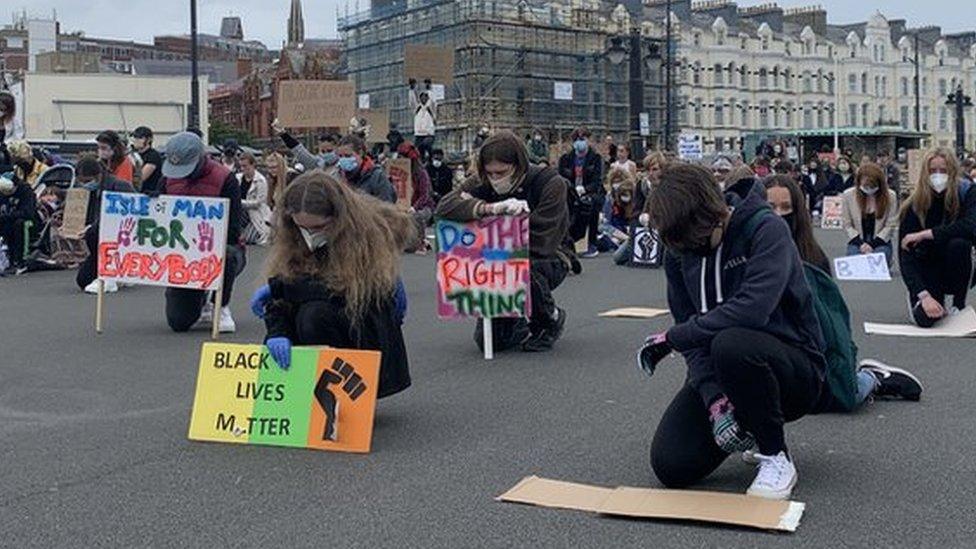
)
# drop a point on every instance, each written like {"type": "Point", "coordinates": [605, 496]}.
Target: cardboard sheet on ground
{"type": "Point", "coordinates": [325, 401]}
{"type": "Point", "coordinates": [634, 312]}
{"type": "Point", "coordinates": [715, 507]}
{"type": "Point", "coordinates": [962, 324]}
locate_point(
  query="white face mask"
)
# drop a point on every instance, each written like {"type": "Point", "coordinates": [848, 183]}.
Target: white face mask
{"type": "Point", "coordinates": [436, 163]}
{"type": "Point", "coordinates": [625, 199]}
{"type": "Point", "coordinates": [869, 190]}
{"type": "Point", "coordinates": [615, 186]}
{"type": "Point", "coordinates": [939, 181]}
{"type": "Point", "coordinates": [503, 185]}
{"type": "Point", "coordinates": [314, 241]}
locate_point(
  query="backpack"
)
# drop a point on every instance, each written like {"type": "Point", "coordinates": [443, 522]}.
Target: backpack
{"type": "Point", "coordinates": [840, 352]}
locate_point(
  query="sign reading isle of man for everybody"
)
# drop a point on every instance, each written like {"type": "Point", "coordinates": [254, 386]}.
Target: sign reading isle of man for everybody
{"type": "Point", "coordinates": [177, 241]}
{"type": "Point", "coordinates": [325, 401]}
{"type": "Point", "coordinates": [483, 268]}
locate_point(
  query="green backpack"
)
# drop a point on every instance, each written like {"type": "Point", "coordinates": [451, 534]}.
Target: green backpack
{"type": "Point", "coordinates": [835, 323]}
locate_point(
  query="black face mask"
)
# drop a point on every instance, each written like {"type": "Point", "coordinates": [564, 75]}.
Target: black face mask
{"type": "Point", "coordinates": [790, 220]}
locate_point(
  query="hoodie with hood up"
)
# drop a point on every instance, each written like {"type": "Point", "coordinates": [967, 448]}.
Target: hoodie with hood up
{"type": "Point", "coordinates": [755, 283]}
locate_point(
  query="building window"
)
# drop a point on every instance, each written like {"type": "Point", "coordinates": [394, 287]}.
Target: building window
{"type": "Point", "coordinates": [698, 113]}
{"type": "Point", "coordinates": [943, 88]}
{"type": "Point", "coordinates": [925, 85]}
{"type": "Point", "coordinates": [718, 75]}
{"type": "Point", "coordinates": [764, 114]}
{"type": "Point", "coordinates": [744, 76]}
{"type": "Point", "coordinates": [943, 119]}
{"type": "Point", "coordinates": [807, 116]}
{"type": "Point", "coordinates": [696, 74]}
{"type": "Point", "coordinates": [884, 86]}
{"type": "Point", "coordinates": [696, 39]}
{"type": "Point", "coordinates": [852, 83]}
{"type": "Point", "coordinates": [820, 115]}
{"type": "Point", "coordinates": [807, 82]}
{"type": "Point", "coordinates": [789, 115]}
{"type": "Point", "coordinates": [904, 86]}
{"type": "Point", "coordinates": [719, 113]}
{"type": "Point", "coordinates": [776, 111]}
{"type": "Point", "coordinates": [881, 115]}
{"type": "Point", "coordinates": [745, 114]}
{"type": "Point", "coordinates": [765, 44]}
{"type": "Point", "coordinates": [775, 78]}
{"type": "Point", "coordinates": [830, 83]}
{"type": "Point", "coordinates": [926, 116]}
{"type": "Point", "coordinates": [820, 79]}
{"type": "Point", "coordinates": [852, 115]}
{"type": "Point", "coordinates": [904, 117]}
{"type": "Point", "coordinates": [865, 117]}
{"type": "Point", "coordinates": [763, 78]}
{"type": "Point", "coordinates": [864, 83]}
{"type": "Point", "coordinates": [788, 79]}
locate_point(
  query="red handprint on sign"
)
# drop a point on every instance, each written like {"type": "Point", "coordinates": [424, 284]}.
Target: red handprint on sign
{"type": "Point", "coordinates": [205, 242]}
{"type": "Point", "coordinates": [125, 231]}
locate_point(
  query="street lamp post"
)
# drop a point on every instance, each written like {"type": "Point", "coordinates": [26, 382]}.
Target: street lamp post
{"type": "Point", "coordinates": [918, 96]}
{"type": "Point", "coordinates": [668, 64]}
{"type": "Point", "coordinates": [960, 101]}
{"type": "Point", "coordinates": [636, 82]}
{"type": "Point", "coordinates": [194, 117]}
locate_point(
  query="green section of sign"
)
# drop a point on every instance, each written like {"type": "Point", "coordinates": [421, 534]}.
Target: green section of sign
{"type": "Point", "coordinates": [284, 398]}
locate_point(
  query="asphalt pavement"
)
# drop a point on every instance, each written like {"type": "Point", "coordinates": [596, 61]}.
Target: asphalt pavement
{"type": "Point", "coordinates": [94, 452]}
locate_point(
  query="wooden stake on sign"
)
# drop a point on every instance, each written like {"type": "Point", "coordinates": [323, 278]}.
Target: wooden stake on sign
{"type": "Point", "coordinates": [98, 306]}
{"type": "Point", "coordinates": [218, 303]}
{"type": "Point", "coordinates": [489, 340]}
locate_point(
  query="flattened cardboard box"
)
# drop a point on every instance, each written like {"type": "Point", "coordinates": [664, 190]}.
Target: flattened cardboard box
{"type": "Point", "coordinates": [634, 312]}
{"type": "Point", "coordinates": [715, 507]}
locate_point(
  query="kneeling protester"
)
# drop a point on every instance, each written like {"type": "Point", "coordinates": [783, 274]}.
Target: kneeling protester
{"type": "Point", "coordinates": [746, 326]}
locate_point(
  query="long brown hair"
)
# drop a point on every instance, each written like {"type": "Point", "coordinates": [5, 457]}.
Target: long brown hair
{"type": "Point", "coordinates": [921, 199]}
{"type": "Point", "coordinates": [365, 240]}
{"type": "Point", "coordinates": [872, 173]}
{"type": "Point", "coordinates": [277, 177]}
{"type": "Point", "coordinates": [802, 229]}
{"type": "Point", "coordinates": [9, 107]}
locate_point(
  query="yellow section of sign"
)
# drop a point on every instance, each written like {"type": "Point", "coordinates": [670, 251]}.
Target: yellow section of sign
{"type": "Point", "coordinates": [223, 368]}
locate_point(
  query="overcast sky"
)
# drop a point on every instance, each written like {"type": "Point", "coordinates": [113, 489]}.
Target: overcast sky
{"type": "Point", "coordinates": [265, 20]}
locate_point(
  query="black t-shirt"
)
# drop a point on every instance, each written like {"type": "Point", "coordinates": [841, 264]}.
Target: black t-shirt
{"type": "Point", "coordinates": [151, 185]}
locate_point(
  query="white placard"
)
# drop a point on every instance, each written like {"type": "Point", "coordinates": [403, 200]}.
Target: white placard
{"type": "Point", "coordinates": [438, 92]}
{"type": "Point", "coordinates": [690, 146]}
{"type": "Point", "coordinates": [562, 91]}
{"type": "Point", "coordinates": [870, 267]}
{"type": "Point", "coordinates": [175, 241]}
{"type": "Point", "coordinates": [364, 101]}
{"type": "Point", "coordinates": [645, 124]}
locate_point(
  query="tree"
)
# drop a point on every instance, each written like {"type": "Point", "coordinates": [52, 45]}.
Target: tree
{"type": "Point", "coordinates": [221, 132]}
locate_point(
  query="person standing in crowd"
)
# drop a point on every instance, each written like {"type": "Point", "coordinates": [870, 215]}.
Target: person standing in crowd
{"type": "Point", "coordinates": [538, 149]}
{"type": "Point", "coordinates": [937, 230]}
{"type": "Point", "coordinates": [112, 153]}
{"type": "Point", "coordinates": [277, 176]}
{"type": "Point", "coordinates": [424, 108]}
{"type": "Point", "coordinates": [325, 160]}
{"type": "Point", "coordinates": [608, 149]}
{"type": "Point", "coordinates": [583, 168]}
{"type": "Point", "coordinates": [332, 276]}
{"type": "Point", "coordinates": [10, 128]}
{"type": "Point", "coordinates": [19, 220]}
{"type": "Point", "coordinates": [751, 339]}
{"type": "Point", "coordinates": [27, 168]}
{"type": "Point", "coordinates": [190, 172]}
{"type": "Point", "coordinates": [421, 203]}
{"type": "Point", "coordinates": [760, 166]}
{"type": "Point", "coordinates": [254, 189]}
{"type": "Point", "coordinates": [229, 154]}
{"type": "Point", "coordinates": [870, 213]}
{"type": "Point", "coordinates": [152, 161]}
{"type": "Point", "coordinates": [654, 162]}
{"type": "Point", "coordinates": [623, 160]}
{"type": "Point", "coordinates": [359, 170]}
{"type": "Point", "coordinates": [91, 174]}
{"type": "Point", "coordinates": [816, 183]}
{"type": "Point", "coordinates": [394, 138]}
{"type": "Point", "coordinates": [505, 184]}
{"type": "Point", "coordinates": [787, 201]}
{"type": "Point", "coordinates": [892, 173]}
{"type": "Point", "coordinates": [721, 168]}
{"type": "Point", "coordinates": [441, 176]}
{"type": "Point", "coordinates": [845, 175]}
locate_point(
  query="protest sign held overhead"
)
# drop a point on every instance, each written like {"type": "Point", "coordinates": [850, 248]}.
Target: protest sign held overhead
{"type": "Point", "coordinates": [316, 103]}
{"type": "Point", "coordinates": [483, 268]}
{"type": "Point", "coordinates": [326, 400]}
{"type": "Point", "coordinates": [422, 62]}
{"type": "Point", "coordinates": [176, 241]}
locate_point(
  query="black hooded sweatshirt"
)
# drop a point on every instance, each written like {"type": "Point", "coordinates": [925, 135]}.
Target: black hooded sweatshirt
{"type": "Point", "coordinates": [750, 281]}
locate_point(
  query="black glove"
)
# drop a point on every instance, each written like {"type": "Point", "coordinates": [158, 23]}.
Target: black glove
{"type": "Point", "coordinates": [656, 348]}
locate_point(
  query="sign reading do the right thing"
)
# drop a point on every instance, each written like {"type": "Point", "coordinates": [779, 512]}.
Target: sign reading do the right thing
{"type": "Point", "coordinates": [483, 268]}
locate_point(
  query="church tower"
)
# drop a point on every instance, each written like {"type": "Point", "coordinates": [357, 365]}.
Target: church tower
{"type": "Point", "coordinates": [296, 24]}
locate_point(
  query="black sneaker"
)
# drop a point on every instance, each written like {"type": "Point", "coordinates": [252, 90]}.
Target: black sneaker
{"type": "Point", "coordinates": [893, 382]}
{"type": "Point", "coordinates": [545, 338]}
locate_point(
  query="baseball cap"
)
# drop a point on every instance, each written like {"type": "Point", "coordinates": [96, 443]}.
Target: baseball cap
{"type": "Point", "coordinates": [183, 153]}
{"type": "Point", "coordinates": [142, 132]}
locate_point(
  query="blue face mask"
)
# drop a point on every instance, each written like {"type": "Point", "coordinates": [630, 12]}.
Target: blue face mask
{"type": "Point", "coordinates": [348, 164]}
{"type": "Point", "coordinates": [329, 158]}
{"type": "Point", "coordinates": [580, 145]}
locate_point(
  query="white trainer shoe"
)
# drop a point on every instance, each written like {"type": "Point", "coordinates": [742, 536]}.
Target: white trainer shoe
{"type": "Point", "coordinates": [751, 457]}
{"type": "Point", "coordinates": [776, 478]}
{"type": "Point", "coordinates": [206, 314]}
{"type": "Point", "coordinates": [227, 324]}
{"type": "Point", "coordinates": [110, 287]}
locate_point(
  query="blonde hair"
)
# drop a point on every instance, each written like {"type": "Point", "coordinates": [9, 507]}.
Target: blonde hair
{"type": "Point", "coordinates": [922, 196]}
{"type": "Point", "coordinates": [621, 176]}
{"type": "Point", "coordinates": [365, 240]}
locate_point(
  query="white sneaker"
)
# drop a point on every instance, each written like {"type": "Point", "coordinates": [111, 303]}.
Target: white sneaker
{"type": "Point", "coordinates": [227, 325]}
{"type": "Point", "coordinates": [751, 457]}
{"type": "Point", "coordinates": [110, 287]}
{"type": "Point", "coordinates": [776, 477]}
{"type": "Point", "coordinates": [206, 314]}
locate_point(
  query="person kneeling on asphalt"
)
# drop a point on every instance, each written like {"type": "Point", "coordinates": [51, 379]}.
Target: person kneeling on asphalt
{"type": "Point", "coordinates": [507, 185]}
{"type": "Point", "coordinates": [938, 229]}
{"type": "Point", "coordinates": [91, 174]}
{"type": "Point", "coordinates": [746, 326]}
{"type": "Point", "coordinates": [190, 172]}
{"type": "Point", "coordinates": [333, 274]}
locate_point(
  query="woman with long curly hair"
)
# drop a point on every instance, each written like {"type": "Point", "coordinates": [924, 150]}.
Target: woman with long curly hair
{"type": "Point", "coordinates": [332, 275]}
{"type": "Point", "coordinates": [938, 229]}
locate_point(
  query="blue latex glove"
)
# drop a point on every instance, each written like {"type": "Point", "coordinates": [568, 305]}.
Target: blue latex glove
{"type": "Point", "coordinates": [280, 349]}
{"type": "Point", "coordinates": [259, 299]}
{"type": "Point", "coordinates": [399, 302]}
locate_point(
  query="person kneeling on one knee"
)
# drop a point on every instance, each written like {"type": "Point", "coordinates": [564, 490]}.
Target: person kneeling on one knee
{"type": "Point", "coordinates": [505, 184]}
{"type": "Point", "coordinates": [333, 275]}
{"type": "Point", "coordinates": [746, 326]}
